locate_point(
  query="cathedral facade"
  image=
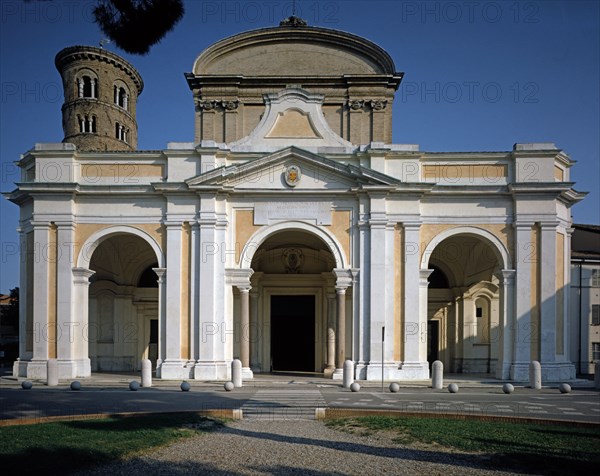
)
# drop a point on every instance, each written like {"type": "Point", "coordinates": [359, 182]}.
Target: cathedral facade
{"type": "Point", "coordinates": [292, 233]}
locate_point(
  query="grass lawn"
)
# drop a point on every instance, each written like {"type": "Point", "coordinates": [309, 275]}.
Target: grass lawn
{"type": "Point", "coordinates": [551, 449]}
{"type": "Point", "coordinates": [63, 447]}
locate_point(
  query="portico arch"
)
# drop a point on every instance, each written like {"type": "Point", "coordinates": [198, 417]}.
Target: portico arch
{"type": "Point", "coordinates": [96, 239]}
{"type": "Point", "coordinates": [258, 238]}
{"type": "Point", "coordinates": [471, 317]}
{"type": "Point", "coordinates": [496, 245]}
{"type": "Point", "coordinates": [123, 315]}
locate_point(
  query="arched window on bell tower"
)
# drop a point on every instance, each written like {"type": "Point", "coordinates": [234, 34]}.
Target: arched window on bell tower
{"type": "Point", "coordinates": [87, 87]}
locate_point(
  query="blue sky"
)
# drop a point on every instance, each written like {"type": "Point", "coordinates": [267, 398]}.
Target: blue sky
{"type": "Point", "coordinates": [479, 76]}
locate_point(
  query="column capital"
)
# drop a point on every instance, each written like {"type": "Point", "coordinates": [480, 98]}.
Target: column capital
{"type": "Point", "coordinates": [343, 277]}
{"type": "Point", "coordinates": [244, 288]}
{"type": "Point", "coordinates": [82, 275]}
{"type": "Point", "coordinates": [506, 276]}
{"type": "Point", "coordinates": [239, 278]}
{"type": "Point", "coordinates": [548, 225]}
{"type": "Point", "coordinates": [423, 275]}
{"type": "Point", "coordinates": [161, 273]}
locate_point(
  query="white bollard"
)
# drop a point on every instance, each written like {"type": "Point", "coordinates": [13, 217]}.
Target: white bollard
{"type": "Point", "coordinates": [236, 373]}
{"type": "Point", "coordinates": [146, 373]}
{"type": "Point", "coordinates": [535, 375]}
{"type": "Point", "coordinates": [348, 377]}
{"type": "Point", "coordinates": [437, 375]}
{"type": "Point", "coordinates": [52, 373]}
{"type": "Point", "coordinates": [597, 375]}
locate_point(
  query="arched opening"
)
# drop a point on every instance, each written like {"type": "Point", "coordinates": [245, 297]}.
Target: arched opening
{"type": "Point", "coordinates": [293, 304]}
{"type": "Point", "coordinates": [463, 304]}
{"type": "Point", "coordinates": [123, 304]}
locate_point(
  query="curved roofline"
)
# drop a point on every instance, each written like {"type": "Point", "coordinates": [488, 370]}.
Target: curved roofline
{"type": "Point", "coordinates": [73, 53]}
{"type": "Point", "coordinates": [357, 43]}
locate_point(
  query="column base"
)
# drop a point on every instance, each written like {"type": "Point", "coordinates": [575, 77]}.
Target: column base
{"type": "Point", "coordinates": [212, 371]}
{"type": "Point", "coordinates": [503, 370]}
{"type": "Point", "coordinates": [361, 371]}
{"type": "Point", "coordinates": [328, 372]}
{"type": "Point", "coordinates": [519, 372]}
{"type": "Point", "coordinates": [413, 371]}
{"type": "Point", "coordinates": [337, 374]}
{"type": "Point", "coordinates": [392, 372]}
{"type": "Point", "coordinates": [172, 370]}
{"type": "Point", "coordinates": [37, 369]}
{"type": "Point", "coordinates": [557, 371]}
{"type": "Point", "coordinates": [247, 373]}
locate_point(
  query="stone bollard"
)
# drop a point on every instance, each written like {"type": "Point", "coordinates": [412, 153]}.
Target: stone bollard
{"type": "Point", "coordinates": [535, 375]}
{"type": "Point", "coordinates": [597, 375]}
{"type": "Point", "coordinates": [146, 373]}
{"type": "Point", "coordinates": [437, 375]}
{"type": "Point", "coordinates": [348, 373]}
{"type": "Point", "coordinates": [236, 373]}
{"type": "Point", "coordinates": [52, 373]}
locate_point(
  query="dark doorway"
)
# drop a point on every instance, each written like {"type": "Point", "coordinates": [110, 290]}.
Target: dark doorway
{"type": "Point", "coordinates": [293, 333]}
{"type": "Point", "coordinates": [433, 334]}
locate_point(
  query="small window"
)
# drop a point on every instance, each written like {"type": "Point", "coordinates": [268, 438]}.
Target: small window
{"type": "Point", "coordinates": [595, 314]}
{"type": "Point", "coordinates": [596, 278]}
{"type": "Point", "coordinates": [87, 87]}
{"type": "Point", "coordinates": [121, 97]}
{"type": "Point", "coordinates": [595, 351]}
{"type": "Point", "coordinates": [478, 312]}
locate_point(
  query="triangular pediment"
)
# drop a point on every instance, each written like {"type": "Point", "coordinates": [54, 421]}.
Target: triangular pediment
{"type": "Point", "coordinates": [291, 168]}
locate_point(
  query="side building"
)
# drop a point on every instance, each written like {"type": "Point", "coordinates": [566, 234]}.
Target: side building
{"type": "Point", "coordinates": [292, 233]}
{"type": "Point", "coordinates": [585, 297]}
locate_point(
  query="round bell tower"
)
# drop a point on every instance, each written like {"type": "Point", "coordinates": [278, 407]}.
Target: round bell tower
{"type": "Point", "coordinates": [101, 91]}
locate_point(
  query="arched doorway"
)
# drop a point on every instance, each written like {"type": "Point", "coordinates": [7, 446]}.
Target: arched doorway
{"type": "Point", "coordinates": [123, 303]}
{"type": "Point", "coordinates": [464, 311]}
{"type": "Point", "coordinates": [297, 292]}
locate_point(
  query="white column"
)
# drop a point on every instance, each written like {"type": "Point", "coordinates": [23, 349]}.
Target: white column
{"type": "Point", "coordinates": [331, 320]}
{"type": "Point", "coordinates": [548, 293]}
{"type": "Point", "coordinates": [414, 365]}
{"type": "Point", "coordinates": [69, 330]}
{"type": "Point", "coordinates": [37, 367]}
{"type": "Point", "coordinates": [172, 366]}
{"type": "Point", "coordinates": [255, 332]}
{"type": "Point", "coordinates": [343, 281]}
{"type": "Point", "coordinates": [423, 305]}
{"type": "Point", "coordinates": [161, 273]}
{"type": "Point", "coordinates": [80, 87]}
{"type": "Point", "coordinates": [340, 342]}
{"type": "Point", "coordinates": [245, 327]}
{"type": "Point", "coordinates": [125, 101]}
{"type": "Point", "coordinates": [523, 333]}
{"type": "Point", "coordinates": [362, 320]}
{"type": "Point", "coordinates": [505, 336]}
{"type": "Point", "coordinates": [81, 284]}
{"type": "Point", "coordinates": [554, 367]}
{"type": "Point", "coordinates": [94, 88]}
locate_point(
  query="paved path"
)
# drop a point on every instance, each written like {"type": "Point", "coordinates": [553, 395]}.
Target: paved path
{"type": "Point", "coordinates": [276, 404]}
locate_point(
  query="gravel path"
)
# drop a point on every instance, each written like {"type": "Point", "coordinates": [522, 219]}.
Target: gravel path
{"type": "Point", "coordinates": [298, 447]}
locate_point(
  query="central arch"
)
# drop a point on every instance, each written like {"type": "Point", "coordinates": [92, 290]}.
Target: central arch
{"type": "Point", "coordinates": [258, 238]}
{"type": "Point", "coordinates": [293, 301]}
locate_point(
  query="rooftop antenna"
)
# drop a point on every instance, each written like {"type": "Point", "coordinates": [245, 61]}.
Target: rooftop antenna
{"type": "Point", "coordinates": [104, 41]}
{"type": "Point", "coordinates": [293, 8]}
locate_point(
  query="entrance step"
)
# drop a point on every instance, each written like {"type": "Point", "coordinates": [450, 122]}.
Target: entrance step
{"type": "Point", "coordinates": [274, 404]}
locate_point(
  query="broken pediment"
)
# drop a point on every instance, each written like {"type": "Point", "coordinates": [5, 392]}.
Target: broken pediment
{"type": "Point", "coordinates": [295, 117]}
{"type": "Point", "coordinates": [293, 123]}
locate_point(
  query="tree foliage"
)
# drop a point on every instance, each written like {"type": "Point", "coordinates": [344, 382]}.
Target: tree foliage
{"type": "Point", "coordinates": [137, 25]}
